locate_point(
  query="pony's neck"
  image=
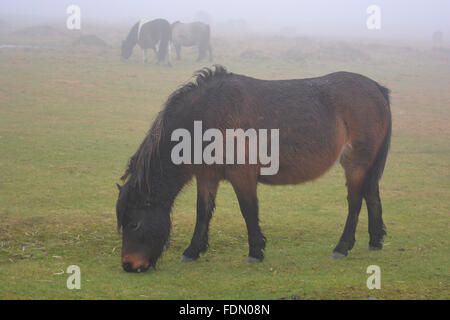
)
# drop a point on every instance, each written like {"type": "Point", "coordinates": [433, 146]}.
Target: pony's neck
{"type": "Point", "coordinates": [166, 183]}
{"type": "Point", "coordinates": [132, 37]}
{"type": "Point", "coordinates": [140, 24]}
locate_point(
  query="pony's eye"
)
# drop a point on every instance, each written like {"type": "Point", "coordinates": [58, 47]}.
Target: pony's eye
{"type": "Point", "coordinates": [133, 225]}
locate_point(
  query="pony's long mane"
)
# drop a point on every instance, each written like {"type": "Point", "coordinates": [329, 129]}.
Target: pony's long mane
{"type": "Point", "coordinates": [138, 169]}
{"type": "Point", "coordinates": [139, 166]}
{"type": "Point", "coordinates": [199, 78]}
{"type": "Point", "coordinates": [132, 34]}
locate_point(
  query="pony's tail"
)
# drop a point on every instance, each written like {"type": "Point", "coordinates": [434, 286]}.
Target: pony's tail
{"type": "Point", "coordinates": [376, 171]}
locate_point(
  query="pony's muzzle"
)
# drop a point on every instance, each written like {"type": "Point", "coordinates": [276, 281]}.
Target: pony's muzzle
{"type": "Point", "coordinates": [128, 267]}
{"type": "Point", "coordinates": [134, 263]}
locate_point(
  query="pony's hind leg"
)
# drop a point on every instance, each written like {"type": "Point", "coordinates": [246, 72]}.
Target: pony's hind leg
{"type": "Point", "coordinates": [354, 199]}
{"type": "Point", "coordinates": [210, 53]}
{"type": "Point", "coordinates": [206, 195]}
{"type": "Point", "coordinates": [377, 230]}
{"type": "Point", "coordinates": [169, 55]}
{"type": "Point", "coordinates": [355, 163]}
{"type": "Point", "coordinates": [201, 52]}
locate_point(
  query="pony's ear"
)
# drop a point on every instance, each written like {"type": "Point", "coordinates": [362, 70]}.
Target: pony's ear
{"type": "Point", "coordinates": [118, 187]}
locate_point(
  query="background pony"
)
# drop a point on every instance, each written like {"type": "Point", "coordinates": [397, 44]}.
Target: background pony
{"type": "Point", "coordinates": [192, 34]}
{"type": "Point", "coordinates": [155, 34]}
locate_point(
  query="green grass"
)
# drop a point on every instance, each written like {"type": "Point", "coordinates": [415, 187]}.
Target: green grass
{"type": "Point", "coordinates": [69, 120]}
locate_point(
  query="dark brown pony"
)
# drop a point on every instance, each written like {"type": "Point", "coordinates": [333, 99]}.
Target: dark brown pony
{"type": "Point", "coordinates": [340, 115]}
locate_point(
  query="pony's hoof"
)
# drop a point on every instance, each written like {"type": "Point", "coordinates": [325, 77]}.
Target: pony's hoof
{"type": "Point", "coordinates": [253, 260]}
{"type": "Point", "coordinates": [337, 255]}
{"type": "Point", "coordinates": [372, 248]}
{"type": "Point", "coordinates": [186, 259]}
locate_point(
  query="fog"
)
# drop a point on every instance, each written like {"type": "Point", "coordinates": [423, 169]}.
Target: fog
{"type": "Point", "coordinates": [412, 19]}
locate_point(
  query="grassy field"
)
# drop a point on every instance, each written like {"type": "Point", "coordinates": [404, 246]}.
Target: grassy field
{"type": "Point", "coordinates": [71, 117]}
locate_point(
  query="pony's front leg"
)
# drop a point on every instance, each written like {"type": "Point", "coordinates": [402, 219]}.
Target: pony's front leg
{"type": "Point", "coordinates": [156, 50]}
{"type": "Point", "coordinates": [206, 195]}
{"type": "Point", "coordinates": [144, 55]}
{"type": "Point", "coordinates": [169, 55]}
{"type": "Point", "coordinates": [178, 50]}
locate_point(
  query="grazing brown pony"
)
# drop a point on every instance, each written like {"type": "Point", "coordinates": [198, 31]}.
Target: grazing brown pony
{"type": "Point", "coordinates": [341, 115]}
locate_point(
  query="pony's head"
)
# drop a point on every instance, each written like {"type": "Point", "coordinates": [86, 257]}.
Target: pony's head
{"type": "Point", "coordinates": [126, 49]}
{"type": "Point", "coordinates": [143, 211]}
{"type": "Point", "coordinates": [145, 229]}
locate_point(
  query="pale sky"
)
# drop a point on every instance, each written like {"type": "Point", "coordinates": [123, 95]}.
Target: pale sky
{"type": "Point", "coordinates": [399, 18]}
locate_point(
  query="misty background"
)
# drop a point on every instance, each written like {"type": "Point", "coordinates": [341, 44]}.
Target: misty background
{"type": "Point", "coordinates": [400, 19]}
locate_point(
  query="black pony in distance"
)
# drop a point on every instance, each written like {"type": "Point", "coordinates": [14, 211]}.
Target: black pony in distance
{"type": "Point", "coordinates": [155, 34]}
